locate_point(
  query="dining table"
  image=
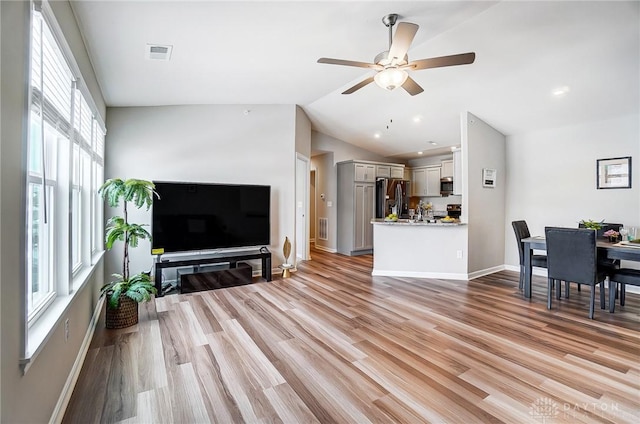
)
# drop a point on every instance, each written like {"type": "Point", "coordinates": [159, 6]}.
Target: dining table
{"type": "Point", "coordinates": [610, 250]}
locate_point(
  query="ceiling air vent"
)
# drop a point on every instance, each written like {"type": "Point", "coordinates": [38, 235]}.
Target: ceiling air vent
{"type": "Point", "coordinates": [159, 52]}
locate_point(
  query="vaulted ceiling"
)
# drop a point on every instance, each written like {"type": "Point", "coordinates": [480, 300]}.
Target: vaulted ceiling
{"type": "Point", "coordinates": [265, 52]}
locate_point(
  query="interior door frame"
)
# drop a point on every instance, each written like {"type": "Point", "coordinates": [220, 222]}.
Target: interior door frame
{"type": "Point", "coordinates": [302, 248]}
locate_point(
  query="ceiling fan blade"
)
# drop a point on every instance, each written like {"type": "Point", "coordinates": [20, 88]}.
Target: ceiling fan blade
{"type": "Point", "coordinates": [330, 61]}
{"type": "Point", "coordinates": [412, 87]}
{"type": "Point", "coordinates": [402, 40]}
{"type": "Point", "coordinates": [439, 62]}
{"type": "Point", "coordinates": [358, 86]}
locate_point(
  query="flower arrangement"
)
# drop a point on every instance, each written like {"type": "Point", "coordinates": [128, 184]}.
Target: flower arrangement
{"type": "Point", "coordinates": [612, 235]}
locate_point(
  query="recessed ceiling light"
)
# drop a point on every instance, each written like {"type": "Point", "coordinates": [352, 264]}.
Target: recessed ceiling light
{"type": "Point", "coordinates": [417, 118]}
{"type": "Point", "coordinates": [433, 143]}
{"type": "Point", "coordinates": [376, 135]}
{"type": "Point", "coordinates": [420, 153]}
{"type": "Point", "coordinates": [560, 91]}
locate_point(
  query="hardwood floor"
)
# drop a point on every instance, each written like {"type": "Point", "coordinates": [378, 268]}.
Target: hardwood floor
{"type": "Point", "coordinates": [332, 344]}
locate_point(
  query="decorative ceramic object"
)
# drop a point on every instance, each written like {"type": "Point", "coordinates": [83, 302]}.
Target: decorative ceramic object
{"type": "Point", "coordinates": [286, 266]}
{"type": "Point", "coordinates": [286, 250]}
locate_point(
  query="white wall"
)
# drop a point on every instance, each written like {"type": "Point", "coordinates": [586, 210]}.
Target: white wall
{"type": "Point", "coordinates": [430, 160]}
{"type": "Point", "coordinates": [322, 143]}
{"type": "Point", "coordinates": [30, 398]}
{"type": "Point", "coordinates": [484, 208]}
{"type": "Point", "coordinates": [0, 227]}
{"type": "Point", "coordinates": [551, 177]}
{"type": "Point", "coordinates": [209, 144]}
{"type": "Point", "coordinates": [303, 133]}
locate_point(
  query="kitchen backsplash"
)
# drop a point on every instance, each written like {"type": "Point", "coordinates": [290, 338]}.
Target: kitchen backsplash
{"type": "Point", "coordinates": [439, 203]}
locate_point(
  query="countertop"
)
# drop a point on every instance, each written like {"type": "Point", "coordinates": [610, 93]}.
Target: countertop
{"type": "Point", "coordinates": [417, 223]}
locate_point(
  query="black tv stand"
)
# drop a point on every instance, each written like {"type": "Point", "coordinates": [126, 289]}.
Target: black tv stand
{"type": "Point", "coordinates": [231, 257]}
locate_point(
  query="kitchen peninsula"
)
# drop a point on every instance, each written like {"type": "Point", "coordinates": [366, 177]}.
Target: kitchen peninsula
{"type": "Point", "coordinates": [420, 249]}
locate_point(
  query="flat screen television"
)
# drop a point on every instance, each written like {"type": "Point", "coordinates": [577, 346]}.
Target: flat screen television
{"type": "Point", "coordinates": [198, 216]}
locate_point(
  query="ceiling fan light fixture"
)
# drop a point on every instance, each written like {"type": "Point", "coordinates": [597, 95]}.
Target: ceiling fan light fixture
{"type": "Point", "coordinates": [391, 78]}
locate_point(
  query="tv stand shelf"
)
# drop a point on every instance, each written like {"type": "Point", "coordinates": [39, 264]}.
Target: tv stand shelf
{"type": "Point", "coordinates": [231, 257]}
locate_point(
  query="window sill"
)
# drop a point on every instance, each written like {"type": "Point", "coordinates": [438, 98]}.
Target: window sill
{"type": "Point", "coordinates": [40, 331]}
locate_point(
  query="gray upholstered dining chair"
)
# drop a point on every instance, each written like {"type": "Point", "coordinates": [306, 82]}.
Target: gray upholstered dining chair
{"type": "Point", "coordinates": [572, 256]}
{"type": "Point", "coordinates": [521, 230]}
{"type": "Point", "coordinates": [609, 264]}
{"type": "Point", "coordinates": [622, 276]}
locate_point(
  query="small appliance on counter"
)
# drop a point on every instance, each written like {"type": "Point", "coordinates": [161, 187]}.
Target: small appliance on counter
{"type": "Point", "coordinates": [454, 210]}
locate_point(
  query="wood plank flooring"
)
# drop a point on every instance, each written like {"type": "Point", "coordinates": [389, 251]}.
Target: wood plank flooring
{"type": "Point", "coordinates": [332, 344]}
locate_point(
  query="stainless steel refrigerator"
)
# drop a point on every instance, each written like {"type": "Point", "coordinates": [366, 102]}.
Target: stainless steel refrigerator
{"type": "Point", "coordinates": [392, 194]}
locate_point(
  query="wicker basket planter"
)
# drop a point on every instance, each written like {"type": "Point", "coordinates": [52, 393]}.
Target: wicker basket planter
{"type": "Point", "coordinates": [125, 315]}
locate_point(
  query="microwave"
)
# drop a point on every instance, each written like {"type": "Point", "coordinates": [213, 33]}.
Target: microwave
{"type": "Point", "coordinates": [446, 186]}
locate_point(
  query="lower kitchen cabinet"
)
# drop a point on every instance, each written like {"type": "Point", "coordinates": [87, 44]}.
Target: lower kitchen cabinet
{"type": "Point", "coordinates": [363, 214]}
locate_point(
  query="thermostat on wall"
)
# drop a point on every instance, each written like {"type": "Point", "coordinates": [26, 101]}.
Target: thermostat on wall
{"type": "Point", "coordinates": [488, 177]}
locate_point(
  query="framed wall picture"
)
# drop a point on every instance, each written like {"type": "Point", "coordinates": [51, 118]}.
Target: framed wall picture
{"type": "Point", "coordinates": [614, 172]}
{"type": "Point", "coordinates": [488, 177]}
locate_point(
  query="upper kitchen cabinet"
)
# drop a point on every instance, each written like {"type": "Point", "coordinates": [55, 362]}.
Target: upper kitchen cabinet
{"type": "Point", "coordinates": [397, 172]}
{"type": "Point", "coordinates": [365, 172]}
{"type": "Point", "coordinates": [383, 171]}
{"type": "Point", "coordinates": [425, 181]}
{"type": "Point", "coordinates": [447, 169]}
{"type": "Point", "coordinates": [407, 175]}
{"type": "Point", "coordinates": [433, 181]}
{"type": "Point", "coordinates": [418, 181]}
{"type": "Point", "coordinates": [389, 171]}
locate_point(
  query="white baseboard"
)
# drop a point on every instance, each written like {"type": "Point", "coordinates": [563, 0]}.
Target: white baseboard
{"type": "Point", "coordinates": [437, 275]}
{"type": "Point", "coordinates": [632, 289]}
{"type": "Point", "coordinates": [67, 390]}
{"type": "Point", "coordinates": [416, 274]}
{"type": "Point", "coordinates": [515, 268]}
{"type": "Point", "coordinates": [326, 249]}
{"type": "Point", "coordinates": [486, 271]}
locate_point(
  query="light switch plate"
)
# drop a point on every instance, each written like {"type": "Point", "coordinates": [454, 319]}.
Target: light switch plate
{"type": "Point", "coordinates": [329, 203]}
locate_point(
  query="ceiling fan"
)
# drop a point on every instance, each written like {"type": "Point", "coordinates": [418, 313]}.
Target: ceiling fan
{"type": "Point", "coordinates": [392, 66]}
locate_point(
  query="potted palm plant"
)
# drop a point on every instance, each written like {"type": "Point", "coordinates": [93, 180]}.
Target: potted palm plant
{"type": "Point", "coordinates": [126, 290]}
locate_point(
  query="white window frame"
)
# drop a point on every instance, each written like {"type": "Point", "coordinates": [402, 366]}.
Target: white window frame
{"type": "Point", "coordinates": [79, 169]}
